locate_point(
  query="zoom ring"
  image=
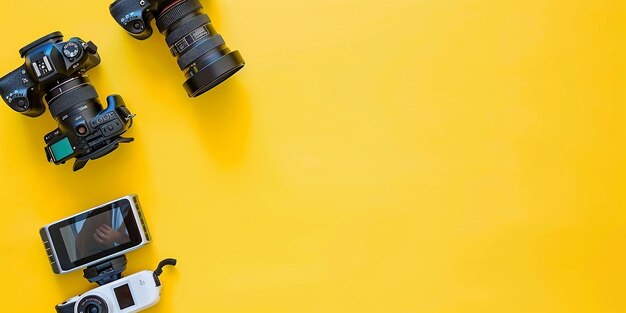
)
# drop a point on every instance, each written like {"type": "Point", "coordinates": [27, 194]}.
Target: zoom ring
{"type": "Point", "coordinates": [176, 12]}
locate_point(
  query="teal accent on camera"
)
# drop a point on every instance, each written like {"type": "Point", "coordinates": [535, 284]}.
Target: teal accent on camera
{"type": "Point", "coordinates": [61, 149]}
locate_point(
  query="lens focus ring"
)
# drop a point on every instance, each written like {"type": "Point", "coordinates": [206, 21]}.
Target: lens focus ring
{"type": "Point", "coordinates": [69, 95]}
{"type": "Point", "coordinates": [201, 52]}
{"type": "Point", "coordinates": [198, 50]}
{"type": "Point", "coordinates": [183, 30]}
{"type": "Point", "coordinates": [176, 12]}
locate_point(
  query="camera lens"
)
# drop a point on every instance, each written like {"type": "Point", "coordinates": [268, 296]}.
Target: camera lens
{"type": "Point", "coordinates": [71, 99]}
{"type": "Point", "coordinates": [202, 53]}
{"type": "Point", "coordinates": [92, 304]}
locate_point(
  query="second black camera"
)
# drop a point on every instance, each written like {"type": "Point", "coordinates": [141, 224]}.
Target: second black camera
{"type": "Point", "coordinates": [201, 52]}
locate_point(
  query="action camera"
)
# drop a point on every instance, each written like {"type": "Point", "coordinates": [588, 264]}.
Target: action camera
{"type": "Point", "coordinates": [96, 240]}
{"type": "Point", "coordinates": [134, 293]}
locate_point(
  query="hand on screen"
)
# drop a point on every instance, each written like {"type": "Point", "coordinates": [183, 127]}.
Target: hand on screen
{"type": "Point", "coordinates": [106, 235]}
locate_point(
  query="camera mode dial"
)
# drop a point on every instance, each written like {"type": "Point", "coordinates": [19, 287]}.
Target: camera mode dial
{"type": "Point", "coordinates": [71, 50]}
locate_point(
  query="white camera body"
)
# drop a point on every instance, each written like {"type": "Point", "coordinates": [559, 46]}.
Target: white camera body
{"type": "Point", "coordinates": [97, 240]}
{"type": "Point", "coordinates": [130, 294]}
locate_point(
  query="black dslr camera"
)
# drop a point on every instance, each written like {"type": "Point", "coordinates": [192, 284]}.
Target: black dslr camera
{"type": "Point", "coordinates": [55, 71]}
{"type": "Point", "coordinates": [202, 53]}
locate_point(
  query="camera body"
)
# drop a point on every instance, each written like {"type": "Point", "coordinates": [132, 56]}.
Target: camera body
{"type": "Point", "coordinates": [47, 61]}
{"type": "Point", "coordinates": [130, 294]}
{"type": "Point", "coordinates": [201, 52]}
{"type": "Point", "coordinates": [97, 240]}
{"type": "Point", "coordinates": [54, 73]}
{"type": "Point", "coordinates": [86, 136]}
{"type": "Point", "coordinates": [73, 243]}
{"type": "Point", "coordinates": [135, 16]}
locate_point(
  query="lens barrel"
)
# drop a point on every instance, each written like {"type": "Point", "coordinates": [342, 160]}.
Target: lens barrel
{"type": "Point", "coordinates": [71, 98]}
{"type": "Point", "coordinates": [201, 52]}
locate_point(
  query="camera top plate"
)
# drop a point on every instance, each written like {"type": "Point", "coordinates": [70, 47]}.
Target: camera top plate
{"type": "Point", "coordinates": [52, 37]}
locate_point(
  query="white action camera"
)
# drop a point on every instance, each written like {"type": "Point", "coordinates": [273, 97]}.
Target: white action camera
{"type": "Point", "coordinates": [130, 294]}
{"type": "Point", "coordinates": [96, 240]}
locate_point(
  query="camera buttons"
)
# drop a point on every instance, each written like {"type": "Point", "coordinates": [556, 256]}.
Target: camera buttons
{"type": "Point", "coordinates": [22, 104]}
{"type": "Point", "coordinates": [91, 47]}
{"type": "Point", "coordinates": [82, 130]}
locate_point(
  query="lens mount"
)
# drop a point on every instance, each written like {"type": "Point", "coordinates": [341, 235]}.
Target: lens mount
{"type": "Point", "coordinates": [50, 38]}
{"type": "Point", "coordinates": [65, 86]}
{"type": "Point", "coordinates": [70, 93]}
{"type": "Point", "coordinates": [73, 103]}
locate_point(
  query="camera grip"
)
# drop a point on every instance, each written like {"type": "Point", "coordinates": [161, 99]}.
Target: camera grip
{"type": "Point", "coordinates": [134, 16]}
{"type": "Point", "coordinates": [67, 306]}
{"type": "Point", "coordinates": [17, 91]}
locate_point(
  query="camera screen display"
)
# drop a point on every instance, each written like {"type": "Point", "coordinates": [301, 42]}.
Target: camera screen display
{"type": "Point", "coordinates": [95, 234]}
{"type": "Point", "coordinates": [61, 149]}
{"type": "Point", "coordinates": [124, 297]}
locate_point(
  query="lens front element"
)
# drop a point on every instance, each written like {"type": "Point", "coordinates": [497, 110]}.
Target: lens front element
{"type": "Point", "coordinates": [92, 304]}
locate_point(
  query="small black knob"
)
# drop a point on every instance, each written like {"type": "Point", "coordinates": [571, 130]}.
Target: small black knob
{"type": "Point", "coordinates": [91, 47]}
{"type": "Point", "coordinates": [81, 129]}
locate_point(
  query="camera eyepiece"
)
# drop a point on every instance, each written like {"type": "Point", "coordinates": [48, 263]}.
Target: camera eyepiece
{"type": "Point", "coordinates": [201, 52]}
{"type": "Point", "coordinates": [50, 38]}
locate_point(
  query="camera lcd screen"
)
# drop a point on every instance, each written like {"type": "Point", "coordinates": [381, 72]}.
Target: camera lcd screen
{"type": "Point", "coordinates": [95, 234]}
{"type": "Point", "coordinates": [61, 149]}
{"type": "Point", "coordinates": [124, 296]}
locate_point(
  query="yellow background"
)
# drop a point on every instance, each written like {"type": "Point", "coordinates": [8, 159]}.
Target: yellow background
{"type": "Point", "coordinates": [373, 156]}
